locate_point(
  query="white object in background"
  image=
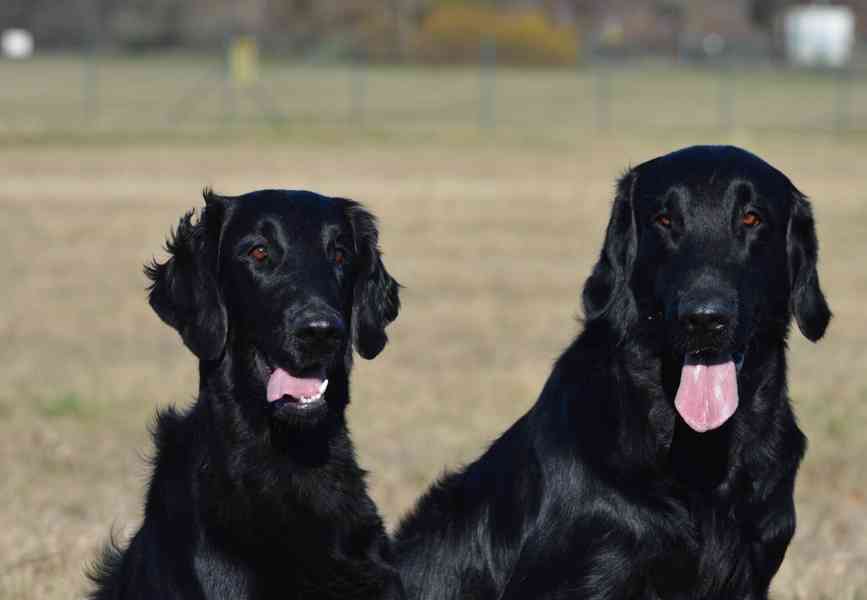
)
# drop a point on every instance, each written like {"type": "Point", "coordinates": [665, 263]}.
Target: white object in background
{"type": "Point", "coordinates": [819, 35]}
{"type": "Point", "coordinates": [713, 44]}
{"type": "Point", "coordinates": [16, 43]}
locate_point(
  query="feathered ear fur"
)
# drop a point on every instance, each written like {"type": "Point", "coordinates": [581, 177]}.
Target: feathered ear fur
{"type": "Point", "coordinates": [807, 302]}
{"type": "Point", "coordinates": [607, 293]}
{"type": "Point", "coordinates": [184, 290]}
{"type": "Point", "coordinates": [376, 297]}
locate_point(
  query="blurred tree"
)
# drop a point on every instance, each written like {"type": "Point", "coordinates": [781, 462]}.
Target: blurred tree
{"type": "Point", "coordinates": [763, 13]}
{"type": "Point", "coordinates": [766, 16]}
{"type": "Point", "coordinates": [381, 29]}
{"type": "Point", "coordinates": [454, 32]}
{"type": "Point", "coordinates": [144, 24]}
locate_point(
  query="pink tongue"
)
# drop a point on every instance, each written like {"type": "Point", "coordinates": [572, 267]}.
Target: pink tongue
{"type": "Point", "coordinates": [708, 394]}
{"type": "Point", "coordinates": [282, 384]}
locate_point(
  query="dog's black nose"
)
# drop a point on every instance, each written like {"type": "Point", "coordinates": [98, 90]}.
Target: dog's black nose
{"type": "Point", "coordinates": [706, 317]}
{"type": "Point", "coordinates": [323, 333]}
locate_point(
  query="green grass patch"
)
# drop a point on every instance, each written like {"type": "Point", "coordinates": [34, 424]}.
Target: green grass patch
{"type": "Point", "coordinates": [68, 404]}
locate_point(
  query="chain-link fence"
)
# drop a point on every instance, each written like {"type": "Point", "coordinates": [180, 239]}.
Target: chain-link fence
{"type": "Point", "coordinates": [358, 65]}
{"type": "Point", "coordinates": [178, 92]}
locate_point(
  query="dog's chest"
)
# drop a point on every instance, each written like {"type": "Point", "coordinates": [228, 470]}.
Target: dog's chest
{"type": "Point", "coordinates": [706, 556]}
{"type": "Point", "coordinates": [220, 577]}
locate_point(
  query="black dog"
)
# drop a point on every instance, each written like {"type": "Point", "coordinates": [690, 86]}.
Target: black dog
{"type": "Point", "coordinates": [255, 491]}
{"type": "Point", "coordinates": [660, 459]}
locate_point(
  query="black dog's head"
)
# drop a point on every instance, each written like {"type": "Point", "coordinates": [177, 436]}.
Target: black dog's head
{"type": "Point", "coordinates": [277, 284]}
{"type": "Point", "coordinates": [712, 249]}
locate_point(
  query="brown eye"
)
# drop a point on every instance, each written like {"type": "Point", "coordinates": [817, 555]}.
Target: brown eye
{"type": "Point", "coordinates": [663, 220]}
{"type": "Point", "coordinates": [339, 257]}
{"type": "Point", "coordinates": [751, 219]}
{"type": "Point", "coordinates": [259, 253]}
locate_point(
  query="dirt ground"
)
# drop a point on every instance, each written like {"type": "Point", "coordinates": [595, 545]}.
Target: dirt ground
{"type": "Point", "coordinates": [492, 236]}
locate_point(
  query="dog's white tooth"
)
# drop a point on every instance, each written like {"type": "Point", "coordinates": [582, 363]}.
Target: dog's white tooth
{"type": "Point", "coordinates": [323, 386]}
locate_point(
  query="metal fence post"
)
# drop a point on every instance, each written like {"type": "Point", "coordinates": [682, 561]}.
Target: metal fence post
{"type": "Point", "coordinates": [358, 87]}
{"type": "Point", "coordinates": [602, 95]}
{"type": "Point", "coordinates": [90, 83]}
{"type": "Point", "coordinates": [487, 81]}
{"type": "Point", "coordinates": [726, 97]}
{"type": "Point", "coordinates": [843, 100]}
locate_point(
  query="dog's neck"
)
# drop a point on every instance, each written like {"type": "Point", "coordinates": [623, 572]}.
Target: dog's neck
{"type": "Point", "coordinates": [248, 453]}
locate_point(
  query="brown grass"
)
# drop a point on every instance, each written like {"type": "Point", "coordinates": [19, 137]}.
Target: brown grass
{"type": "Point", "coordinates": [492, 237]}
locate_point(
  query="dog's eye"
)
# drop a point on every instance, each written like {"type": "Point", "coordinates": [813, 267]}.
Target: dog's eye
{"type": "Point", "coordinates": [259, 253]}
{"type": "Point", "coordinates": [339, 256]}
{"type": "Point", "coordinates": [751, 219]}
{"type": "Point", "coordinates": [663, 220]}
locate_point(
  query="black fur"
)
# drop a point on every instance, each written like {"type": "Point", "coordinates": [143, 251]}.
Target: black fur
{"type": "Point", "coordinates": [250, 498]}
{"type": "Point", "coordinates": [602, 491]}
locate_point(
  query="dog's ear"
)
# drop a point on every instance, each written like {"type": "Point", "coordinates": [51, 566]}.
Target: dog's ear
{"type": "Point", "coordinates": [607, 292]}
{"type": "Point", "coordinates": [807, 302]}
{"type": "Point", "coordinates": [184, 291]}
{"type": "Point", "coordinates": [376, 296]}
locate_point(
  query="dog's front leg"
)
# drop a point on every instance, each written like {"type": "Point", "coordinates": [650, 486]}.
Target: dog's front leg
{"type": "Point", "coordinates": [601, 566]}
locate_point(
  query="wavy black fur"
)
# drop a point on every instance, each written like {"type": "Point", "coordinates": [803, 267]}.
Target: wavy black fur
{"type": "Point", "coordinates": [601, 491]}
{"type": "Point", "coordinates": [250, 498]}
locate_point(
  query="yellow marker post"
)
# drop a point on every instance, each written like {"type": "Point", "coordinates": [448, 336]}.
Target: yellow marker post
{"type": "Point", "coordinates": [243, 61]}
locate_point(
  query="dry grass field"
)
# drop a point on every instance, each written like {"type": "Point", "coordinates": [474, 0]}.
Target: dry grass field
{"type": "Point", "coordinates": [492, 234]}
